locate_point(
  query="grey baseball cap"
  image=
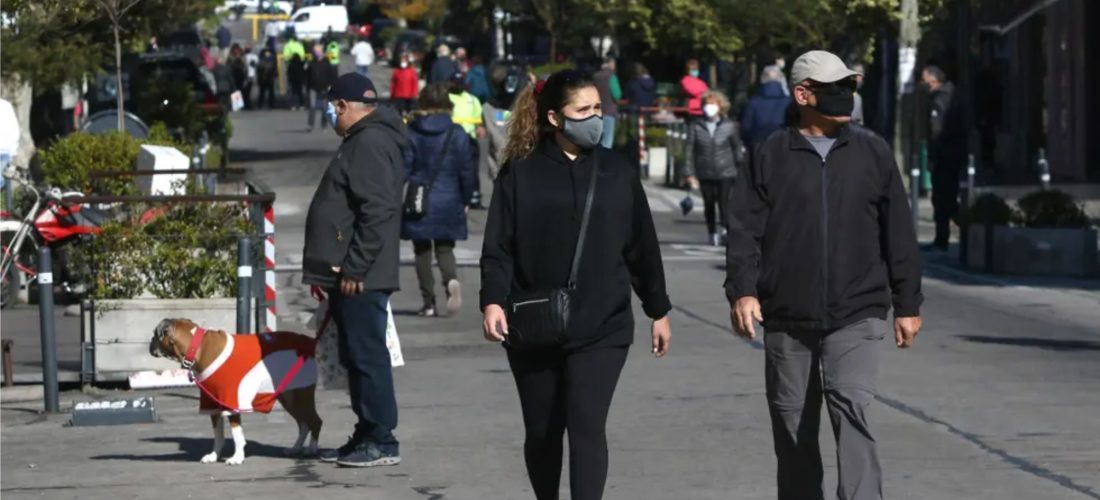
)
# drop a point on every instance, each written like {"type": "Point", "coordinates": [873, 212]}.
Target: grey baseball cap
{"type": "Point", "coordinates": [819, 66]}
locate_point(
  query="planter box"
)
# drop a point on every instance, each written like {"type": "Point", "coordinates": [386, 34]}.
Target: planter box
{"type": "Point", "coordinates": [123, 329]}
{"type": "Point", "coordinates": [1031, 251]}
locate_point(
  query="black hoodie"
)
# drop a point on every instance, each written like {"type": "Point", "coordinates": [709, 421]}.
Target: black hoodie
{"type": "Point", "coordinates": [354, 220]}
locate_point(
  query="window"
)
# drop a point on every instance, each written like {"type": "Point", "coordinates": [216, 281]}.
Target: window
{"type": "Point", "coordinates": [301, 18]}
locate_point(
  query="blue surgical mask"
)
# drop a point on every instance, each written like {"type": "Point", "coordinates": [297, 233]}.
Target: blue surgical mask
{"type": "Point", "coordinates": [330, 114]}
{"type": "Point", "coordinates": [694, 73]}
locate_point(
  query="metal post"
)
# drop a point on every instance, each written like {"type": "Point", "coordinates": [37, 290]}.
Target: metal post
{"type": "Point", "coordinates": [46, 320]}
{"type": "Point", "coordinates": [244, 283]}
{"type": "Point", "coordinates": [1044, 169]}
{"type": "Point", "coordinates": [914, 193]}
{"type": "Point", "coordinates": [964, 222]}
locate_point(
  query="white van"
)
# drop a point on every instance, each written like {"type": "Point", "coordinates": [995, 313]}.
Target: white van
{"type": "Point", "coordinates": [311, 23]}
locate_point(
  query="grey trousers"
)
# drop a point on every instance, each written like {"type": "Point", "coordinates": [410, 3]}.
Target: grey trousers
{"type": "Point", "coordinates": [448, 268]}
{"type": "Point", "coordinates": [840, 366]}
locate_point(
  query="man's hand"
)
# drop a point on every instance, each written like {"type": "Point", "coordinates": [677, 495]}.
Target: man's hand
{"type": "Point", "coordinates": [495, 324]}
{"type": "Point", "coordinates": [662, 336]}
{"type": "Point", "coordinates": [692, 182]}
{"type": "Point", "coordinates": [350, 287]}
{"type": "Point", "coordinates": [905, 331]}
{"type": "Point", "coordinates": [480, 131]}
{"type": "Point", "coordinates": [742, 314]}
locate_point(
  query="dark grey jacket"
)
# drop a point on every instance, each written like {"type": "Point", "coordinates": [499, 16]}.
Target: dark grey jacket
{"type": "Point", "coordinates": [713, 156]}
{"type": "Point", "coordinates": [354, 220]}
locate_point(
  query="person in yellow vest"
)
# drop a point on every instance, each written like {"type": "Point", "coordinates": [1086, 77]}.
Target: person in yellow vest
{"type": "Point", "coordinates": [467, 113]}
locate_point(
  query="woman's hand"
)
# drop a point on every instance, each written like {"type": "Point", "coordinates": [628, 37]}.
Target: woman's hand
{"type": "Point", "coordinates": [495, 325]}
{"type": "Point", "coordinates": [662, 336]}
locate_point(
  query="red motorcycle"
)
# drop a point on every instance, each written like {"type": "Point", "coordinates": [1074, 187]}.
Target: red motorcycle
{"type": "Point", "coordinates": [54, 224]}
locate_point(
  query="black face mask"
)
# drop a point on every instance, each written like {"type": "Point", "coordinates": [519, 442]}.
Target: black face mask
{"type": "Point", "coordinates": [834, 100]}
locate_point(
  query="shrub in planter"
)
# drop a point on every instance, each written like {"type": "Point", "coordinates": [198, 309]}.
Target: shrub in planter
{"type": "Point", "coordinates": [69, 161]}
{"type": "Point", "coordinates": [999, 211]}
{"type": "Point", "coordinates": [1052, 209]}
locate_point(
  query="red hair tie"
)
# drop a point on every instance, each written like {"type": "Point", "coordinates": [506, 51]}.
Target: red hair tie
{"type": "Point", "coordinates": [539, 86]}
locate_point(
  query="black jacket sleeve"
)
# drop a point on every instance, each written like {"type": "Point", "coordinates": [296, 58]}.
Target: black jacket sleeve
{"type": "Point", "coordinates": [899, 242]}
{"type": "Point", "coordinates": [370, 174]}
{"type": "Point", "coordinates": [643, 258]}
{"type": "Point", "coordinates": [747, 217]}
{"type": "Point", "coordinates": [496, 251]}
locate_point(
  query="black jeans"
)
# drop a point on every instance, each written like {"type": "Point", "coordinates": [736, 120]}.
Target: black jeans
{"type": "Point", "coordinates": [268, 90]}
{"type": "Point", "coordinates": [716, 193]}
{"type": "Point", "coordinates": [945, 199]}
{"type": "Point", "coordinates": [444, 255]}
{"type": "Point", "coordinates": [561, 390]}
{"type": "Point", "coordinates": [361, 326]}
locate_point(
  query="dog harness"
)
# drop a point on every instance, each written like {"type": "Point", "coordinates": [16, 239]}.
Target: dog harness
{"type": "Point", "coordinates": [252, 370]}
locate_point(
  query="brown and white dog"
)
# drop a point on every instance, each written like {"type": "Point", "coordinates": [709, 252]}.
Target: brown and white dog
{"type": "Point", "coordinates": [242, 373]}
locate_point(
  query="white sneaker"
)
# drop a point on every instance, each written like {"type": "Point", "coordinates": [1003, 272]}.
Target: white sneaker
{"type": "Point", "coordinates": [454, 297]}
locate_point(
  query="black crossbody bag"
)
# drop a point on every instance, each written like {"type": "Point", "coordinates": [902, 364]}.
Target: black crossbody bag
{"type": "Point", "coordinates": [416, 194]}
{"type": "Point", "coordinates": [539, 319]}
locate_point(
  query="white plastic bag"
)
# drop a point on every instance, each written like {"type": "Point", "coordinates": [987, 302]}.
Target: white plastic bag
{"type": "Point", "coordinates": [332, 374]}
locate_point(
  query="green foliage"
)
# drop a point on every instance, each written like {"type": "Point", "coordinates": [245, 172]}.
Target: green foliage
{"type": "Point", "coordinates": [1052, 209]}
{"type": "Point", "coordinates": [186, 251]}
{"type": "Point", "coordinates": [69, 161]}
{"type": "Point", "coordinates": [990, 208]}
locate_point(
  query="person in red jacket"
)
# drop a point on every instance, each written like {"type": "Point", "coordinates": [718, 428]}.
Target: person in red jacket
{"type": "Point", "coordinates": [404, 86]}
{"type": "Point", "coordinates": [694, 88]}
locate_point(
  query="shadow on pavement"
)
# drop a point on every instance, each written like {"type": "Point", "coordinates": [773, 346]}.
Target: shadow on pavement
{"type": "Point", "coordinates": [1048, 344]}
{"type": "Point", "coordinates": [192, 449]}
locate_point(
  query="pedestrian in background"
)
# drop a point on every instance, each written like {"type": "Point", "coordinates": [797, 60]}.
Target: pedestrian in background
{"type": "Point", "coordinates": [444, 67]}
{"type": "Point", "coordinates": [293, 47]}
{"type": "Point", "coordinates": [404, 85]}
{"type": "Point", "coordinates": [857, 108]}
{"type": "Point", "coordinates": [364, 56]}
{"type": "Point", "coordinates": [467, 113]}
{"type": "Point", "coordinates": [554, 169]}
{"type": "Point", "coordinates": [641, 92]}
{"type": "Point", "coordinates": [946, 150]}
{"type": "Point", "coordinates": [440, 158]}
{"type": "Point", "coordinates": [296, 80]}
{"type": "Point", "coordinates": [266, 72]}
{"type": "Point", "coordinates": [238, 68]}
{"type": "Point", "coordinates": [693, 88]}
{"type": "Point", "coordinates": [507, 81]}
{"type": "Point", "coordinates": [821, 245]}
{"type": "Point", "coordinates": [477, 79]}
{"type": "Point", "coordinates": [225, 40]}
{"type": "Point", "coordinates": [607, 82]}
{"type": "Point", "coordinates": [322, 74]}
{"type": "Point", "coordinates": [251, 60]}
{"type": "Point", "coordinates": [461, 60]}
{"type": "Point", "coordinates": [712, 158]}
{"type": "Point", "coordinates": [766, 111]}
{"type": "Point", "coordinates": [352, 251]}
{"type": "Point", "coordinates": [776, 68]}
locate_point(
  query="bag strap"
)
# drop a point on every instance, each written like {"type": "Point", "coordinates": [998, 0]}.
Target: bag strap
{"type": "Point", "coordinates": [584, 221]}
{"type": "Point", "coordinates": [442, 155]}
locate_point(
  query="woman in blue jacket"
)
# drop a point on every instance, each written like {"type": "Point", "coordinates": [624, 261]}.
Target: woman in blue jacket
{"type": "Point", "coordinates": [439, 157]}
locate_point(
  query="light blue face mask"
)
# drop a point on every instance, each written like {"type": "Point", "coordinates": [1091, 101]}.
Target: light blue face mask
{"type": "Point", "coordinates": [695, 73]}
{"type": "Point", "coordinates": [330, 114]}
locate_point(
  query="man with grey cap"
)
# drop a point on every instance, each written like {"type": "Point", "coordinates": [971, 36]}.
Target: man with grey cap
{"type": "Point", "coordinates": [820, 247]}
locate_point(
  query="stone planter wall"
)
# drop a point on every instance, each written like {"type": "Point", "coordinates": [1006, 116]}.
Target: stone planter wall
{"type": "Point", "coordinates": [123, 329]}
{"type": "Point", "coordinates": [1032, 251]}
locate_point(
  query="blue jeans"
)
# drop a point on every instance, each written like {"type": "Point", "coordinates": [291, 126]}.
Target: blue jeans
{"type": "Point", "coordinates": [607, 140]}
{"type": "Point", "coordinates": [363, 70]}
{"type": "Point", "coordinates": [361, 326]}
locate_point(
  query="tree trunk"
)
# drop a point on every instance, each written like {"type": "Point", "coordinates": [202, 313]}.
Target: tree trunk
{"type": "Point", "coordinates": [118, 79]}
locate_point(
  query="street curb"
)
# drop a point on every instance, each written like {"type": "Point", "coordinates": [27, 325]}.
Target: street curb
{"type": "Point", "coordinates": [21, 394]}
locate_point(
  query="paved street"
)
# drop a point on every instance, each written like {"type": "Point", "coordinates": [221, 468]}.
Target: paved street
{"type": "Point", "coordinates": [997, 400]}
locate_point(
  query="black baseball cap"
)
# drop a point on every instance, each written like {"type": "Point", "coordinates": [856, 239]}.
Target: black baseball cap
{"type": "Point", "coordinates": [353, 87]}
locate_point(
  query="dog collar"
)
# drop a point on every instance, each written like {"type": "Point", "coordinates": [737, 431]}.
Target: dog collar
{"type": "Point", "coordinates": [193, 349]}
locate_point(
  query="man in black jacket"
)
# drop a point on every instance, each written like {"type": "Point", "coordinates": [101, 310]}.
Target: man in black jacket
{"type": "Point", "coordinates": [351, 251]}
{"type": "Point", "coordinates": [820, 247]}
{"type": "Point", "coordinates": [946, 150]}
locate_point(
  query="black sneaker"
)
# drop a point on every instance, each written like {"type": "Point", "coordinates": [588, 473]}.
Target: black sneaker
{"type": "Point", "coordinates": [368, 455]}
{"type": "Point", "coordinates": [333, 454]}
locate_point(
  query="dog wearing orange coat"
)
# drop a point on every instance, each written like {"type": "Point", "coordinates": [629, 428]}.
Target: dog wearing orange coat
{"type": "Point", "coordinates": [245, 373]}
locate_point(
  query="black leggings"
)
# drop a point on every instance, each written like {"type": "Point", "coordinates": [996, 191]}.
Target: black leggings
{"type": "Point", "coordinates": [566, 390]}
{"type": "Point", "coordinates": [716, 193]}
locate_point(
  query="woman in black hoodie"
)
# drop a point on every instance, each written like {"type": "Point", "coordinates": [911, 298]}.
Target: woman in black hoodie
{"type": "Point", "coordinates": [530, 236]}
